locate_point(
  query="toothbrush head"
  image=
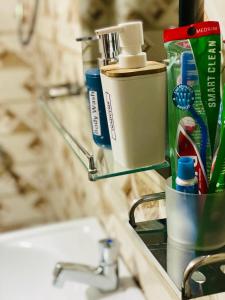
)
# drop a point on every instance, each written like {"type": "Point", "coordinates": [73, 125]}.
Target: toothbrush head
{"type": "Point", "coordinates": [183, 97]}
{"type": "Point", "coordinates": [189, 124]}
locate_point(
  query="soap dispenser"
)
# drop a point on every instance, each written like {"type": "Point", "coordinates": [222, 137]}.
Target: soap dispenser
{"type": "Point", "coordinates": [135, 100]}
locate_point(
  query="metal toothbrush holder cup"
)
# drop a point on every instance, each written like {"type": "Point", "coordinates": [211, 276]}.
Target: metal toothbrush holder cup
{"type": "Point", "coordinates": [195, 221]}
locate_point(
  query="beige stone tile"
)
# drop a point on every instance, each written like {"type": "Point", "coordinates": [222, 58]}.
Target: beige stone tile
{"type": "Point", "coordinates": [148, 183]}
{"type": "Point", "coordinates": [12, 84]}
{"type": "Point", "coordinates": [7, 15]}
{"type": "Point", "coordinates": [24, 148]}
{"type": "Point", "coordinates": [66, 35]}
{"type": "Point", "coordinates": [215, 11]}
{"type": "Point", "coordinates": [115, 197]}
{"type": "Point", "coordinates": [64, 204]}
{"type": "Point", "coordinates": [25, 209]}
{"type": "Point", "coordinates": [7, 185]}
{"type": "Point", "coordinates": [21, 117]}
{"type": "Point", "coordinates": [156, 181]}
{"type": "Point", "coordinates": [36, 176]}
{"type": "Point", "coordinates": [96, 14]}
{"type": "Point", "coordinates": [62, 10]}
{"type": "Point", "coordinates": [153, 13]}
{"type": "Point", "coordinates": [49, 23]}
{"type": "Point", "coordinates": [11, 42]}
{"type": "Point", "coordinates": [72, 67]}
{"type": "Point", "coordinates": [25, 178]}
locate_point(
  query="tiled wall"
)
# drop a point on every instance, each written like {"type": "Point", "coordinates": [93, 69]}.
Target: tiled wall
{"type": "Point", "coordinates": [44, 179]}
{"type": "Point", "coordinates": [25, 178]}
{"type": "Point", "coordinates": [215, 11]}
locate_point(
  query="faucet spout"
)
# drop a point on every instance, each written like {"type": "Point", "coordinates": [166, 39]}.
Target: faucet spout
{"type": "Point", "coordinates": [104, 279]}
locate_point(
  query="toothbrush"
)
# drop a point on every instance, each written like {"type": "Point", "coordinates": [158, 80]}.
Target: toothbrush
{"type": "Point", "coordinates": [184, 97]}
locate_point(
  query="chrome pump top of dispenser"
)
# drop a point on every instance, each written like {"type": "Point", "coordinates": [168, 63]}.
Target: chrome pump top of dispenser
{"type": "Point", "coordinates": [108, 47]}
{"type": "Point", "coordinates": [131, 39]}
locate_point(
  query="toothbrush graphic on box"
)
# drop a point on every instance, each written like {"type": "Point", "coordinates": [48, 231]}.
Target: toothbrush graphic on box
{"type": "Point", "coordinates": [190, 77]}
{"type": "Point", "coordinates": [184, 98]}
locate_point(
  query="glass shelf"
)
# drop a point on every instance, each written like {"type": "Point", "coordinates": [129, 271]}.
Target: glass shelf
{"type": "Point", "coordinates": [67, 116]}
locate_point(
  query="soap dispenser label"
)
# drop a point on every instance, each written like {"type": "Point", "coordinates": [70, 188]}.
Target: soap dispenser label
{"type": "Point", "coordinates": [96, 126]}
{"type": "Point", "coordinates": [110, 115]}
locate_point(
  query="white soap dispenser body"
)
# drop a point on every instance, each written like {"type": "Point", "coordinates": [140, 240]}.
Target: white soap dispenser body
{"type": "Point", "coordinates": [135, 100]}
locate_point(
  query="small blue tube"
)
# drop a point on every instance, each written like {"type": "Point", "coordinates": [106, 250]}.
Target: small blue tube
{"type": "Point", "coordinates": [100, 130]}
{"type": "Point", "coordinates": [186, 180]}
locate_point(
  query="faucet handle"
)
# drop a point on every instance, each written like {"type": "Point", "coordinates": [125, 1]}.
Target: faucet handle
{"type": "Point", "coordinates": [109, 251]}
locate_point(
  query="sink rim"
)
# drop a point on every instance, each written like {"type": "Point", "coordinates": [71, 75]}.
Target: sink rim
{"type": "Point", "coordinates": [45, 229]}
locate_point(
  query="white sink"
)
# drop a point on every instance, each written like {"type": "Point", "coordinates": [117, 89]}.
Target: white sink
{"type": "Point", "coordinates": [28, 257]}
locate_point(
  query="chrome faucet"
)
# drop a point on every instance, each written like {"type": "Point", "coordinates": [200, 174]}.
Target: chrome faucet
{"type": "Point", "coordinates": [103, 277]}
